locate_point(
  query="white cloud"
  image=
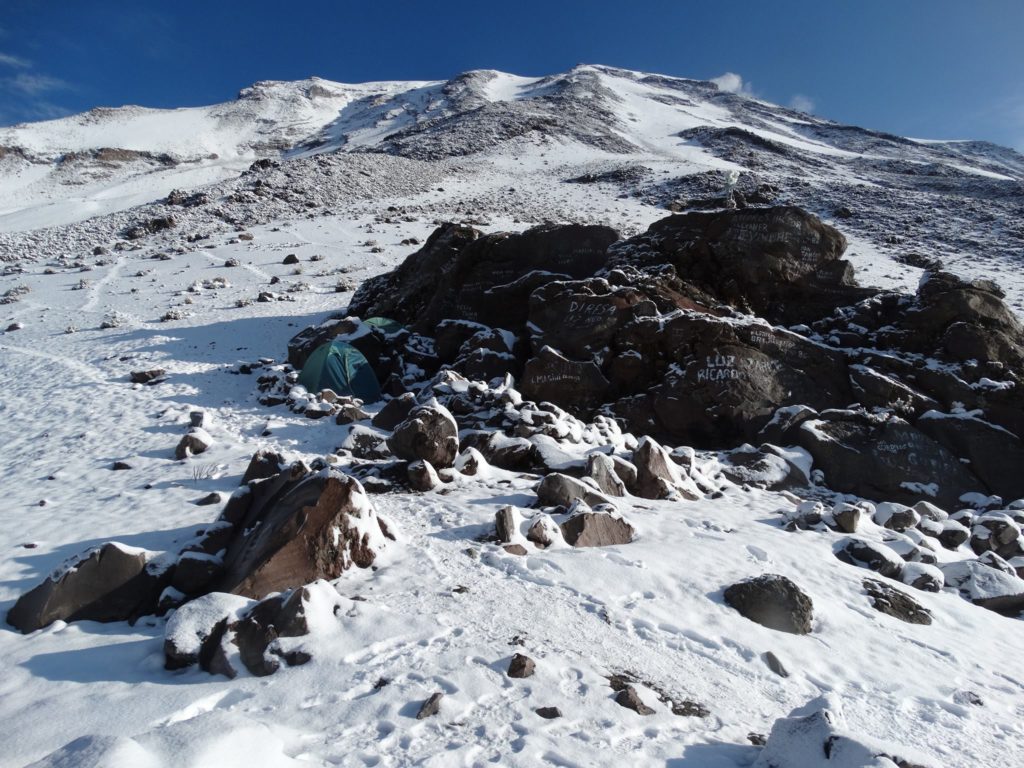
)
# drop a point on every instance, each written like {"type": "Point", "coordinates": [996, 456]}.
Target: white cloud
{"type": "Point", "coordinates": [802, 103]}
{"type": "Point", "coordinates": [16, 62]}
{"type": "Point", "coordinates": [733, 83]}
{"type": "Point", "coordinates": [32, 84]}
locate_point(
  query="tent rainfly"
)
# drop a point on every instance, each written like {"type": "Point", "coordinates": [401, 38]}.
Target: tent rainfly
{"type": "Point", "coordinates": [342, 368]}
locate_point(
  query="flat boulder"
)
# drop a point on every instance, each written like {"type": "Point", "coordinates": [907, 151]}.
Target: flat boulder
{"type": "Point", "coordinates": [428, 433]}
{"type": "Point", "coordinates": [884, 458]}
{"type": "Point", "coordinates": [108, 583]}
{"type": "Point", "coordinates": [773, 601]}
{"type": "Point", "coordinates": [596, 529]}
{"type": "Point", "coordinates": [892, 602]}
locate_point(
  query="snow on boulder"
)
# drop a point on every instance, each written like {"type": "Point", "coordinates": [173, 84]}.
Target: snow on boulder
{"type": "Point", "coordinates": [773, 601]}
{"type": "Point", "coordinates": [871, 555]}
{"type": "Point", "coordinates": [430, 433]}
{"type": "Point", "coordinates": [197, 441]}
{"type": "Point", "coordinates": [814, 736]}
{"type": "Point", "coordinates": [107, 583]}
{"type": "Point", "coordinates": [883, 458]}
{"type": "Point", "coordinates": [896, 517]}
{"type": "Point", "coordinates": [225, 633]}
{"type": "Point", "coordinates": [986, 586]}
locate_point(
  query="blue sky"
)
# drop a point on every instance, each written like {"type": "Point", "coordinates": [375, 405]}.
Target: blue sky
{"type": "Point", "coordinates": [923, 68]}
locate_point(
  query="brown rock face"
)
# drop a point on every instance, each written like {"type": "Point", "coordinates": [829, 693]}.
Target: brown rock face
{"type": "Point", "coordinates": [596, 529]}
{"type": "Point", "coordinates": [315, 528]}
{"type": "Point", "coordinates": [108, 584]}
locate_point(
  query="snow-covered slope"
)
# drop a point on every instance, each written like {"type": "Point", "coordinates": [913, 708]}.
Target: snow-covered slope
{"type": "Point", "coordinates": [356, 176]}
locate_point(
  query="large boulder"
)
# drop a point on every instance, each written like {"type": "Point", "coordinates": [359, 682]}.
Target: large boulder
{"type": "Point", "coordinates": [429, 433]}
{"type": "Point", "coordinates": [995, 455]}
{"type": "Point", "coordinates": [726, 379]}
{"type": "Point", "coordinates": [781, 263]}
{"type": "Point", "coordinates": [986, 586]}
{"type": "Point", "coordinates": [773, 601]}
{"type": "Point", "coordinates": [461, 274]}
{"type": "Point", "coordinates": [297, 530]}
{"type": "Point", "coordinates": [884, 458]}
{"type": "Point", "coordinates": [108, 583]}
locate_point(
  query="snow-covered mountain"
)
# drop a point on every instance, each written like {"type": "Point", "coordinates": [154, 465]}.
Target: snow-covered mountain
{"type": "Point", "coordinates": [197, 242]}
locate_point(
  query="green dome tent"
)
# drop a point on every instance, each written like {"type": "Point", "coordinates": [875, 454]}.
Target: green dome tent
{"type": "Point", "coordinates": [341, 367]}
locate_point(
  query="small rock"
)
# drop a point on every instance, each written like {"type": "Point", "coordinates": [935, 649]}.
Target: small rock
{"type": "Point", "coordinates": [774, 664]}
{"type": "Point", "coordinates": [153, 376]}
{"type": "Point", "coordinates": [208, 499]}
{"type": "Point", "coordinates": [291, 258]}
{"type": "Point", "coordinates": [549, 713]}
{"type": "Point", "coordinates": [430, 707]}
{"type": "Point", "coordinates": [516, 549]}
{"type": "Point", "coordinates": [894, 603]}
{"type": "Point", "coordinates": [120, 466]}
{"type": "Point", "coordinates": [630, 699]}
{"type": "Point", "coordinates": [521, 666]}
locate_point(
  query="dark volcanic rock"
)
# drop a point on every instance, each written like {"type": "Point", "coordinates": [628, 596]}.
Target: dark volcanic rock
{"type": "Point", "coordinates": [461, 274]}
{"type": "Point", "coordinates": [109, 583]}
{"type": "Point", "coordinates": [996, 455]}
{"type": "Point", "coordinates": [780, 263]}
{"type": "Point", "coordinates": [394, 412]}
{"type": "Point", "coordinates": [630, 699]}
{"type": "Point", "coordinates": [774, 602]}
{"type": "Point", "coordinates": [430, 707]}
{"type": "Point", "coordinates": [729, 378]}
{"type": "Point", "coordinates": [868, 554]}
{"type": "Point", "coordinates": [576, 386]}
{"type": "Point", "coordinates": [884, 458]}
{"type": "Point", "coordinates": [263, 464]}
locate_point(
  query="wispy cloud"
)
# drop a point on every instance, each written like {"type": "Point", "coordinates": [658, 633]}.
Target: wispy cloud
{"type": "Point", "coordinates": [802, 103]}
{"type": "Point", "coordinates": [25, 91]}
{"type": "Point", "coordinates": [7, 60]}
{"type": "Point", "coordinates": [33, 84]}
{"type": "Point", "coordinates": [733, 83]}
